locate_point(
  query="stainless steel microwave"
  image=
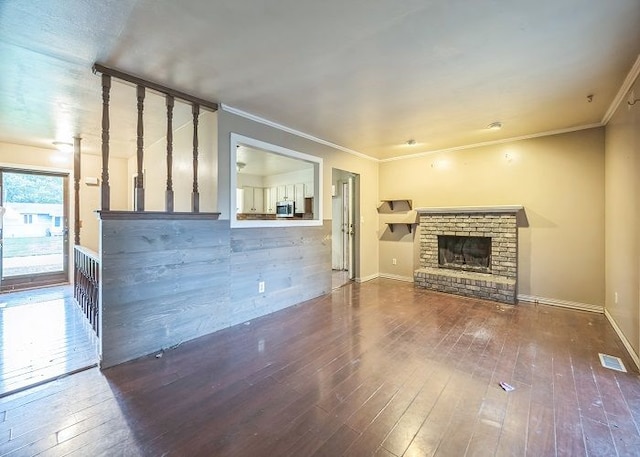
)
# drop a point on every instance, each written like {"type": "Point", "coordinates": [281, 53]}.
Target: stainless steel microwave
{"type": "Point", "coordinates": [285, 208]}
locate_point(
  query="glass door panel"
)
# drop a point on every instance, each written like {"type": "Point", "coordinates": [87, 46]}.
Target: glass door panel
{"type": "Point", "coordinates": [34, 229]}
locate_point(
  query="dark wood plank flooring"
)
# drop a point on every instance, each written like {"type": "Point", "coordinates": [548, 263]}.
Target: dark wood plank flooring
{"type": "Point", "coordinates": [374, 369]}
{"type": "Point", "coordinates": [43, 335]}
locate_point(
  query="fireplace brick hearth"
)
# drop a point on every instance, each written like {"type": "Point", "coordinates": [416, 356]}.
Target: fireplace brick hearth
{"type": "Point", "coordinates": [497, 223]}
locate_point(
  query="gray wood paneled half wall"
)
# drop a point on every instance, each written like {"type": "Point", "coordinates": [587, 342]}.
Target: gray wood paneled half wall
{"type": "Point", "coordinates": [170, 280]}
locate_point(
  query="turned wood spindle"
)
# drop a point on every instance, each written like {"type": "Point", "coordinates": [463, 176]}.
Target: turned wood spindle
{"type": "Point", "coordinates": [169, 191]}
{"type": "Point", "coordinates": [104, 189]}
{"type": "Point", "coordinates": [195, 196]}
{"type": "Point", "coordinates": [139, 200]}
{"type": "Point", "coordinates": [76, 190]}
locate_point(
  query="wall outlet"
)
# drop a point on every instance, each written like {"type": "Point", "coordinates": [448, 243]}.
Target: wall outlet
{"type": "Point", "coordinates": [394, 261]}
{"type": "Point", "coordinates": [261, 287]}
{"type": "Point", "coordinates": [615, 297]}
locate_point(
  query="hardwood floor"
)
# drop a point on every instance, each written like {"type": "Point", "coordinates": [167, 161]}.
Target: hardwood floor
{"type": "Point", "coordinates": [339, 278]}
{"type": "Point", "coordinates": [378, 368]}
{"type": "Point", "coordinates": [43, 335]}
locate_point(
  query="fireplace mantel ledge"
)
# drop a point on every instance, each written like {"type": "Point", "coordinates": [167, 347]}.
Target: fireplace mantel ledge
{"type": "Point", "coordinates": [470, 209]}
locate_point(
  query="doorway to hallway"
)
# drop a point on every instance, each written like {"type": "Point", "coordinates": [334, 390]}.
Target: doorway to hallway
{"type": "Point", "coordinates": [345, 234]}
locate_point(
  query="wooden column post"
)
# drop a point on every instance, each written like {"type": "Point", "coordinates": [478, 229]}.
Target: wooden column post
{"type": "Point", "coordinates": [104, 189]}
{"type": "Point", "coordinates": [76, 190]}
{"type": "Point", "coordinates": [169, 192]}
{"type": "Point", "coordinates": [139, 195]}
{"type": "Point", "coordinates": [195, 196]}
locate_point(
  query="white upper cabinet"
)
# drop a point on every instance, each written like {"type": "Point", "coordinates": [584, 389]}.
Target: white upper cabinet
{"type": "Point", "coordinates": [253, 200]}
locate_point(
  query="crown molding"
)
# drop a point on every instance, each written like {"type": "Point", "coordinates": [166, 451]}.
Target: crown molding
{"type": "Point", "coordinates": [284, 128]}
{"type": "Point", "coordinates": [489, 143]}
{"type": "Point", "coordinates": [626, 86]}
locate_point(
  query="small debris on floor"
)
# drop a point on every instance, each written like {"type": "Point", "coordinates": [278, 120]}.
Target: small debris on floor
{"type": "Point", "coordinates": [506, 387]}
{"type": "Point", "coordinates": [158, 355]}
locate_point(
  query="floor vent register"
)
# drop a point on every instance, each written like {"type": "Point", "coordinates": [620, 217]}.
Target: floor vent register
{"type": "Point", "coordinates": [611, 362]}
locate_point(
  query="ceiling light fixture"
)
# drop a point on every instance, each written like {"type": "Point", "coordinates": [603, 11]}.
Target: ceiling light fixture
{"type": "Point", "coordinates": [411, 142]}
{"type": "Point", "coordinates": [495, 125]}
{"type": "Point", "coordinates": [240, 166]}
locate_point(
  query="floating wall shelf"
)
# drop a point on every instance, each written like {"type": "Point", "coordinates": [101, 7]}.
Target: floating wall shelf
{"type": "Point", "coordinates": [408, 224]}
{"type": "Point", "coordinates": [398, 200]}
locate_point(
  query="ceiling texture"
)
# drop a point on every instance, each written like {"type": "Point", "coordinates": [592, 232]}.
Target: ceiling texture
{"type": "Point", "coordinates": [367, 75]}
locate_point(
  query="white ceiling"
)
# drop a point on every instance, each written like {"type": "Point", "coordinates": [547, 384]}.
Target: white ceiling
{"type": "Point", "coordinates": [364, 74]}
{"type": "Point", "coordinates": [262, 163]}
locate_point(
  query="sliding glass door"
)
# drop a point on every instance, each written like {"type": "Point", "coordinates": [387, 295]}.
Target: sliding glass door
{"type": "Point", "coordinates": [33, 229]}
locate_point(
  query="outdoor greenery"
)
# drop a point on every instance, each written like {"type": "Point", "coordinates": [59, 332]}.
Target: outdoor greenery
{"type": "Point", "coordinates": [28, 188]}
{"type": "Point", "coordinates": [32, 246]}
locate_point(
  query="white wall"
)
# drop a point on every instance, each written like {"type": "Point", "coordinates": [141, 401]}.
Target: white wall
{"type": "Point", "coordinates": [155, 167]}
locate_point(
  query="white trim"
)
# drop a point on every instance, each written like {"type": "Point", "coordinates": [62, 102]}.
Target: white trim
{"type": "Point", "coordinates": [284, 128]}
{"type": "Point", "coordinates": [307, 136]}
{"type": "Point", "coordinates": [562, 303]}
{"type": "Point", "coordinates": [623, 338]}
{"type": "Point", "coordinates": [27, 167]}
{"type": "Point", "coordinates": [396, 277]}
{"type": "Point", "coordinates": [470, 209]}
{"type": "Point", "coordinates": [622, 92]}
{"type": "Point", "coordinates": [368, 278]}
{"type": "Point", "coordinates": [489, 143]}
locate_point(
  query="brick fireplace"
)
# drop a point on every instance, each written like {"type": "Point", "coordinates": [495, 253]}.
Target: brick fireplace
{"type": "Point", "coordinates": [471, 251]}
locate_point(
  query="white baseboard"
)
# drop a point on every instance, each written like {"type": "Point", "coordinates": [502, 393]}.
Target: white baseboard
{"type": "Point", "coordinates": [623, 338]}
{"type": "Point", "coordinates": [561, 303]}
{"type": "Point", "coordinates": [396, 277]}
{"type": "Point", "coordinates": [367, 278]}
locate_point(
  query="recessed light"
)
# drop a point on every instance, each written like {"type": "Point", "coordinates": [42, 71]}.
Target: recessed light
{"type": "Point", "coordinates": [495, 125]}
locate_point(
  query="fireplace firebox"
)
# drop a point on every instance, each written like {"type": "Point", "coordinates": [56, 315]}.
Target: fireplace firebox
{"type": "Point", "coordinates": [468, 253]}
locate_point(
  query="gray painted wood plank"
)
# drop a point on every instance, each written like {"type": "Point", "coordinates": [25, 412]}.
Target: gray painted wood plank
{"type": "Point", "coordinates": [165, 282]}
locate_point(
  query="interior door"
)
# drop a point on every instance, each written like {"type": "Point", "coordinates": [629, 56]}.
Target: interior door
{"type": "Point", "coordinates": [352, 228]}
{"type": "Point", "coordinates": [345, 226]}
{"type": "Point", "coordinates": [34, 239]}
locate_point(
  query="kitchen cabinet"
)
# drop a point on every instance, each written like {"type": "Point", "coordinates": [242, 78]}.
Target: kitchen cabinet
{"type": "Point", "coordinates": [308, 190]}
{"type": "Point", "coordinates": [239, 201]}
{"type": "Point", "coordinates": [253, 200]}
{"type": "Point", "coordinates": [291, 192]}
{"type": "Point", "coordinates": [270, 200]}
{"type": "Point", "coordinates": [298, 197]}
{"type": "Point", "coordinates": [286, 192]}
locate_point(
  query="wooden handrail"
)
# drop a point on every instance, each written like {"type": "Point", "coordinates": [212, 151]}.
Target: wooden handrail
{"type": "Point", "coordinates": [136, 80]}
{"type": "Point", "coordinates": [171, 94]}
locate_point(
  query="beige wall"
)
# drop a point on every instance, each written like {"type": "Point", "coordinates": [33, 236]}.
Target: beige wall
{"type": "Point", "coordinates": [91, 167]}
{"type": "Point", "coordinates": [559, 179]}
{"type": "Point", "coordinates": [155, 167]}
{"type": "Point", "coordinates": [332, 158]}
{"type": "Point", "coordinates": [622, 196]}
